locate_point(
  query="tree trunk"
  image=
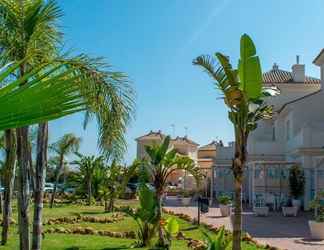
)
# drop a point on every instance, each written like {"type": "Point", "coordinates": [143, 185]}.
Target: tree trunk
{"type": "Point", "coordinates": [23, 187]}
{"type": "Point", "coordinates": [111, 205]}
{"type": "Point", "coordinates": [89, 191]}
{"type": "Point", "coordinates": [9, 178]}
{"type": "Point", "coordinates": [41, 163]}
{"type": "Point", "coordinates": [1, 202]}
{"type": "Point", "coordinates": [31, 172]}
{"type": "Point", "coordinates": [161, 241]}
{"type": "Point", "coordinates": [237, 223]}
{"type": "Point", "coordinates": [106, 206]}
{"type": "Point", "coordinates": [56, 180]}
{"type": "Point", "coordinates": [238, 170]}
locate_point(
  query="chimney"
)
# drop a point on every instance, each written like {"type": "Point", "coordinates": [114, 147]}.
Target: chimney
{"type": "Point", "coordinates": [298, 71]}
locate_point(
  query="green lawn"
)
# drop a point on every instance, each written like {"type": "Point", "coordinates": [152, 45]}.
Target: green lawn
{"type": "Point", "coordinates": [93, 242]}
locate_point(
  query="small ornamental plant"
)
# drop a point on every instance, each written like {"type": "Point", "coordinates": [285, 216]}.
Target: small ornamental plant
{"type": "Point", "coordinates": [224, 200]}
{"type": "Point", "coordinates": [318, 205]}
{"type": "Point", "coordinates": [296, 181]}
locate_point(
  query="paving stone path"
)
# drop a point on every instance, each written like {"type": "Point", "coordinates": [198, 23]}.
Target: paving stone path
{"type": "Point", "coordinates": [290, 233]}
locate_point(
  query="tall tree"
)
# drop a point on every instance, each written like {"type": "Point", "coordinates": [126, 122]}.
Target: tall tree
{"type": "Point", "coordinates": [56, 97]}
{"type": "Point", "coordinates": [41, 162]}
{"type": "Point", "coordinates": [162, 162]}
{"type": "Point", "coordinates": [28, 29]}
{"type": "Point", "coordinates": [66, 145]}
{"type": "Point", "coordinates": [8, 181]}
{"type": "Point", "coordinates": [245, 98]}
{"type": "Point", "coordinates": [26, 32]}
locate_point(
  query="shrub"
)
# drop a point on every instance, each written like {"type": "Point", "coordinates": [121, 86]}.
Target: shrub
{"type": "Point", "coordinates": [296, 181]}
{"type": "Point", "coordinates": [224, 200]}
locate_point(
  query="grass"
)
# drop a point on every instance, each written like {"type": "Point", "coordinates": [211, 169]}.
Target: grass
{"type": "Point", "coordinates": [93, 242]}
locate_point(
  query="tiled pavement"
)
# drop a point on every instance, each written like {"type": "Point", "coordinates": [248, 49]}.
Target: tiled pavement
{"type": "Point", "coordinates": [290, 233]}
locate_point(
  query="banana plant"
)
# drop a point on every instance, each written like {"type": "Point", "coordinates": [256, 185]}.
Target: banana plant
{"type": "Point", "coordinates": [245, 98]}
{"type": "Point", "coordinates": [161, 163]}
{"type": "Point", "coordinates": [145, 216]}
{"type": "Point", "coordinates": [219, 243]}
{"type": "Point", "coordinates": [171, 228]}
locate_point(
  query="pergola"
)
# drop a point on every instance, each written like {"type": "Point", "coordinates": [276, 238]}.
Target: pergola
{"type": "Point", "coordinates": [268, 182]}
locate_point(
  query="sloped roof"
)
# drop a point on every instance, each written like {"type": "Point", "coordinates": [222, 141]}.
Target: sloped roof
{"type": "Point", "coordinates": [210, 146]}
{"type": "Point", "coordinates": [184, 139]}
{"type": "Point", "coordinates": [152, 135]}
{"type": "Point", "coordinates": [277, 75]}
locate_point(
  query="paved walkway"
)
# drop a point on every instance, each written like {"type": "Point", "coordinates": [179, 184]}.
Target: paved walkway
{"type": "Point", "coordinates": [290, 233]}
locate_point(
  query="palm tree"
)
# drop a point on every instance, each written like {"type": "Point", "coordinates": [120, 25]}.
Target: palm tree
{"type": "Point", "coordinates": [57, 96]}
{"type": "Point", "coordinates": [66, 145]}
{"type": "Point", "coordinates": [88, 166]}
{"type": "Point", "coordinates": [244, 96]}
{"type": "Point", "coordinates": [28, 29]}
{"type": "Point", "coordinates": [162, 162]}
{"type": "Point", "coordinates": [8, 181]}
{"type": "Point", "coordinates": [114, 182]}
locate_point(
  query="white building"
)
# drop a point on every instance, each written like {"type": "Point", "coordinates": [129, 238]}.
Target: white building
{"type": "Point", "coordinates": [295, 135]}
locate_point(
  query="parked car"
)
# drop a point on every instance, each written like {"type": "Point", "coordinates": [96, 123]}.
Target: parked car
{"type": "Point", "coordinates": [49, 187]}
{"type": "Point", "coordinates": [69, 190]}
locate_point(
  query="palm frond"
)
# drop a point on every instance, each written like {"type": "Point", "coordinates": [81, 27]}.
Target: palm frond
{"type": "Point", "coordinates": [110, 100]}
{"type": "Point", "coordinates": [56, 95]}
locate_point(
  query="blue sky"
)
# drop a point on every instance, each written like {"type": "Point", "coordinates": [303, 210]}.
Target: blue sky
{"type": "Point", "coordinates": [155, 41]}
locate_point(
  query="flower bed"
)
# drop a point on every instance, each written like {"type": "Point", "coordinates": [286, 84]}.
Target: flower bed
{"type": "Point", "coordinates": [90, 231]}
{"type": "Point", "coordinates": [116, 217]}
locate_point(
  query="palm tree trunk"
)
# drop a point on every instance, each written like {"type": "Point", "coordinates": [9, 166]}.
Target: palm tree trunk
{"type": "Point", "coordinates": [31, 173]}
{"type": "Point", "coordinates": [106, 206]}
{"type": "Point", "coordinates": [9, 178]}
{"type": "Point", "coordinates": [89, 191]}
{"type": "Point", "coordinates": [237, 224]}
{"type": "Point", "coordinates": [111, 205]}
{"type": "Point", "coordinates": [238, 170]}
{"type": "Point", "coordinates": [1, 202]}
{"type": "Point", "coordinates": [23, 187]}
{"type": "Point", "coordinates": [161, 241]}
{"type": "Point", "coordinates": [56, 181]}
{"type": "Point", "coordinates": [41, 163]}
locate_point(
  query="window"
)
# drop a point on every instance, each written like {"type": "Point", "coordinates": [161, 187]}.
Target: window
{"type": "Point", "coordinates": [273, 132]}
{"type": "Point", "coordinates": [288, 130]}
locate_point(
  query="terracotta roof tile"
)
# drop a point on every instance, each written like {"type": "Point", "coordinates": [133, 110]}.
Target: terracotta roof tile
{"type": "Point", "coordinates": [210, 146]}
{"type": "Point", "coordinates": [281, 76]}
{"type": "Point", "coordinates": [184, 139]}
{"type": "Point", "coordinates": [152, 134]}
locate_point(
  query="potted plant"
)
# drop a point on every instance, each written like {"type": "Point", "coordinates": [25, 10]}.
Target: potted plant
{"type": "Point", "coordinates": [224, 205]}
{"type": "Point", "coordinates": [296, 184]}
{"type": "Point", "coordinates": [289, 209]}
{"type": "Point", "coordinates": [260, 209]}
{"type": "Point", "coordinates": [317, 225]}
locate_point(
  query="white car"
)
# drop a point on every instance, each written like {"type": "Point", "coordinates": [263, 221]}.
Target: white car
{"type": "Point", "coordinates": [49, 187]}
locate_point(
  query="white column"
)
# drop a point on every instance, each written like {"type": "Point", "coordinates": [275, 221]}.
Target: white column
{"type": "Point", "coordinates": [252, 183]}
{"type": "Point", "coordinates": [212, 184]}
{"type": "Point", "coordinates": [307, 165]}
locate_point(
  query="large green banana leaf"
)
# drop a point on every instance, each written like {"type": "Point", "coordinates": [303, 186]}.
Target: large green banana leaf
{"type": "Point", "coordinates": [45, 93]}
{"type": "Point", "coordinates": [249, 69]}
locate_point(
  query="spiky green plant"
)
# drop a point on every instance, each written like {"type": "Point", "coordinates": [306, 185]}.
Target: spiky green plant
{"type": "Point", "coordinates": [161, 163]}
{"type": "Point", "coordinates": [245, 98]}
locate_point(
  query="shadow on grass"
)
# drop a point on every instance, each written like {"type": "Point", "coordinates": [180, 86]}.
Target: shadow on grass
{"type": "Point", "coordinates": [106, 248]}
{"type": "Point", "coordinates": [116, 248]}
{"type": "Point", "coordinates": [190, 228]}
{"type": "Point", "coordinates": [92, 212]}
